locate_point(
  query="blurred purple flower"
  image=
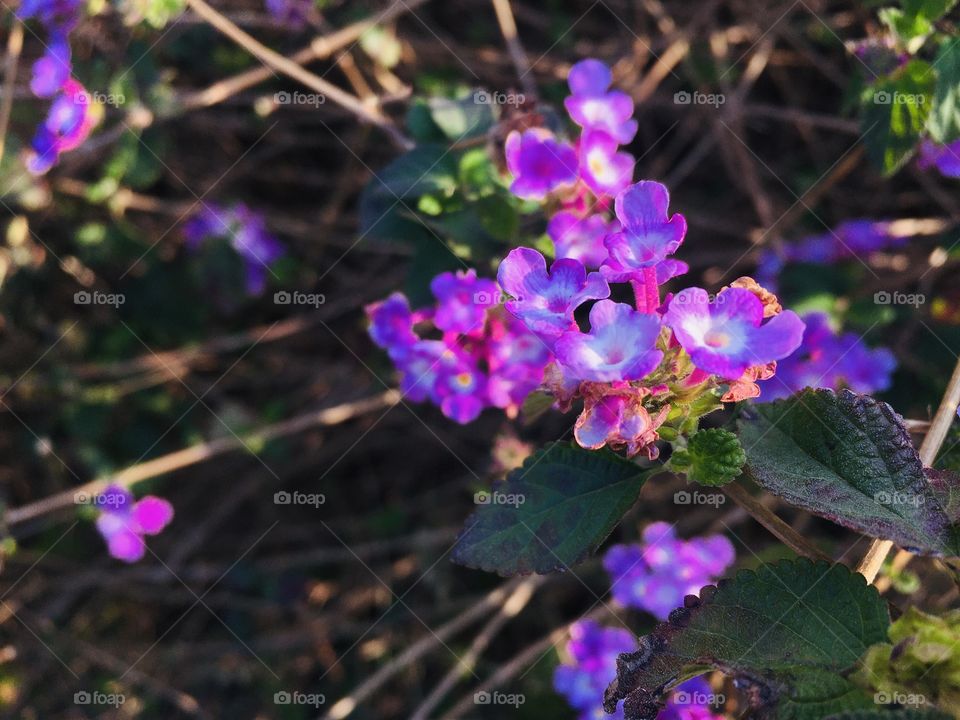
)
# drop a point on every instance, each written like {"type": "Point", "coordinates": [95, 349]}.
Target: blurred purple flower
{"type": "Point", "coordinates": [593, 651]}
{"type": "Point", "coordinates": [603, 169]}
{"type": "Point", "coordinates": [658, 573]}
{"type": "Point", "coordinates": [946, 158]}
{"type": "Point", "coordinates": [828, 360]}
{"type": "Point", "coordinates": [545, 302]}
{"type": "Point", "coordinates": [621, 345]}
{"type": "Point", "coordinates": [247, 233]}
{"type": "Point", "coordinates": [539, 163]}
{"type": "Point", "coordinates": [728, 335]}
{"type": "Point", "coordinates": [648, 233]}
{"type": "Point", "coordinates": [463, 300]}
{"type": "Point", "coordinates": [294, 14]}
{"type": "Point", "coordinates": [68, 123]}
{"type": "Point", "coordinates": [123, 523]}
{"type": "Point", "coordinates": [52, 70]}
{"type": "Point", "coordinates": [593, 107]}
{"type": "Point", "coordinates": [580, 238]}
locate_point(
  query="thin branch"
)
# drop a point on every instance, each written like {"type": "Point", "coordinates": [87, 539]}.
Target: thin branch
{"type": "Point", "coordinates": [766, 517]}
{"type": "Point", "coordinates": [14, 45]}
{"type": "Point", "coordinates": [202, 452]}
{"type": "Point", "coordinates": [508, 27]}
{"type": "Point", "coordinates": [288, 67]}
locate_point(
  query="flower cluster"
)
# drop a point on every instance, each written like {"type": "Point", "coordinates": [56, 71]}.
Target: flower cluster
{"type": "Point", "coordinates": [72, 115]}
{"type": "Point", "coordinates": [483, 358]}
{"type": "Point", "coordinates": [945, 158]}
{"type": "Point", "coordinates": [246, 232]}
{"type": "Point", "coordinates": [593, 651]}
{"type": "Point", "coordinates": [827, 359]}
{"type": "Point", "coordinates": [854, 238]}
{"type": "Point", "coordinates": [640, 365]}
{"type": "Point", "coordinates": [656, 575]}
{"type": "Point", "coordinates": [123, 523]}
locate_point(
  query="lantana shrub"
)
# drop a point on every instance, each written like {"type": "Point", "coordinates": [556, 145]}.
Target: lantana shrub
{"type": "Point", "coordinates": [593, 319]}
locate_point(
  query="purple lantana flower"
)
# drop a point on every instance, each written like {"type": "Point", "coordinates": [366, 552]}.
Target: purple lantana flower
{"type": "Point", "coordinates": [246, 230]}
{"type": "Point", "coordinates": [539, 163]}
{"type": "Point", "coordinates": [580, 238]}
{"type": "Point", "coordinates": [946, 158]}
{"type": "Point", "coordinates": [545, 302]}
{"type": "Point", "coordinates": [826, 359]}
{"type": "Point", "coordinates": [52, 70]}
{"type": "Point", "coordinates": [593, 107]}
{"type": "Point", "coordinates": [463, 299]}
{"type": "Point", "coordinates": [603, 169]}
{"type": "Point", "coordinates": [391, 323]}
{"type": "Point", "coordinates": [648, 233]}
{"type": "Point", "coordinates": [621, 345]}
{"type": "Point", "coordinates": [123, 523]}
{"type": "Point", "coordinates": [728, 335]}
{"type": "Point", "coordinates": [68, 123]}
{"type": "Point", "coordinates": [658, 573]}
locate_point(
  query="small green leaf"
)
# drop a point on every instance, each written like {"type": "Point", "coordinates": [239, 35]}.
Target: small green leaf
{"type": "Point", "coordinates": [944, 121]}
{"type": "Point", "coordinates": [786, 632]}
{"type": "Point", "coordinates": [914, 21]}
{"type": "Point", "coordinates": [551, 513]}
{"type": "Point", "coordinates": [895, 111]}
{"type": "Point", "coordinates": [849, 458]}
{"type": "Point", "coordinates": [713, 457]}
{"type": "Point", "coordinates": [463, 118]}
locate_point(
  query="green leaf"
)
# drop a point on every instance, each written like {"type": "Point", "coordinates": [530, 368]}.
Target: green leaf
{"type": "Point", "coordinates": [849, 458]}
{"type": "Point", "coordinates": [914, 21]}
{"type": "Point", "coordinates": [786, 632]}
{"type": "Point", "coordinates": [463, 118]}
{"type": "Point", "coordinates": [427, 169]}
{"type": "Point", "coordinates": [550, 513]}
{"type": "Point", "coordinates": [895, 111]}
{"type": "Point", "coordinates": [713, 457]}
{"type": "Point", "coordinates": [943, 124]}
